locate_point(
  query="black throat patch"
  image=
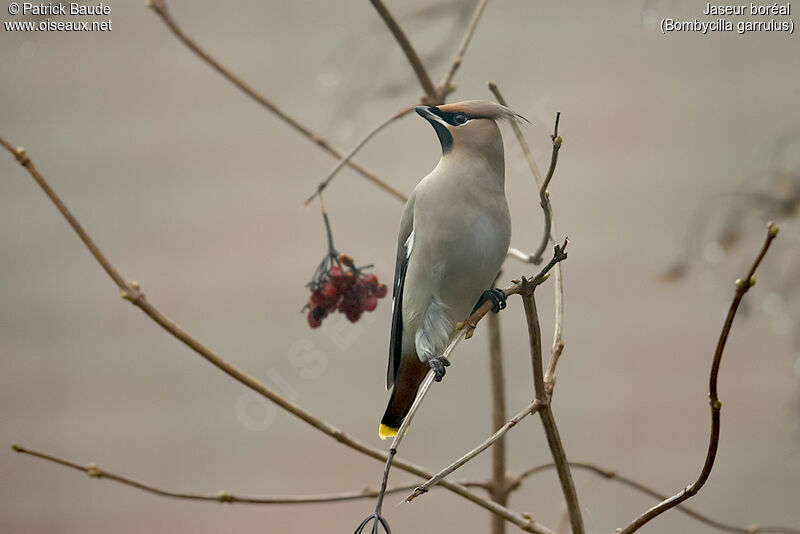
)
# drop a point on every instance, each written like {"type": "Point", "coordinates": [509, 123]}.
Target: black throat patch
{"type": "Point", "coordinates": [444, 135]}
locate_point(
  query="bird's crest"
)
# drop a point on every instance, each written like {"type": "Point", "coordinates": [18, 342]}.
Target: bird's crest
{"type": "Point", "coordinates": [484, 109]}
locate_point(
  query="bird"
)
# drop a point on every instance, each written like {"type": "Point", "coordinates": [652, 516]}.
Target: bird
{"type": "Point", "coordinates": [454, 235]}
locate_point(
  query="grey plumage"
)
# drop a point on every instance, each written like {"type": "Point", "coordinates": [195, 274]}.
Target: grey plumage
{"type": "Point", "coordinates": [454, 235]}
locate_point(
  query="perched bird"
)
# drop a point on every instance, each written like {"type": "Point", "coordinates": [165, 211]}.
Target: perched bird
{"type": "Point", "coordinates": [454, 235]}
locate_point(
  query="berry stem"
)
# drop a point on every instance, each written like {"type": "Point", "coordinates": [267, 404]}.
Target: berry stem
{"type": "Point", "coordinates": [331, 249]}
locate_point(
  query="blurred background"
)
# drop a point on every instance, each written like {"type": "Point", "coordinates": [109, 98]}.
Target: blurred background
{"type": "Point", "coordinates": [196, 192]}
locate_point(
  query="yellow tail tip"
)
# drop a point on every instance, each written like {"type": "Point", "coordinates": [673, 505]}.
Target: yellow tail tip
{"type": "Point", "coordinates": [386, 432]}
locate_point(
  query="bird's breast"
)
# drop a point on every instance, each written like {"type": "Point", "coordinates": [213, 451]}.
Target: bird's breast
{"type": "Point", "coordinates": [458, 256]}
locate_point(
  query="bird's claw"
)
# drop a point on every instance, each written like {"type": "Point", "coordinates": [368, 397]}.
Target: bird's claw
{"type": "Point", "coordinates": [377, 521]}
{"type": "Point", "coordinates": [438, 365]}
{"type": "Point", "coordinates": [496, 295]}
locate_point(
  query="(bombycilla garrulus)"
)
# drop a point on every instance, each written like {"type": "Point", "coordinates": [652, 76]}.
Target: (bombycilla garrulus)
{"type": "Point", "coordinates": [454, 235]}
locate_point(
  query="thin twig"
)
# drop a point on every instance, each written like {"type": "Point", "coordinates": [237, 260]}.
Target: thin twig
{"type": "Point", "coordinates": [583, 490]}
{"type": "Point", "coordinates": [222, 496]}
{"type": "Point", "coordinates": [544, 196]}
{"type": "Point", "coordinates": [160, 7]}
{"type": "Point", "coordinates": [742, 286]}
{"type": "Point", "coordinates": [558, 339]}
{"type": "Point", "coordinates": [342, 162]}
{"type": "Point", "coordinates": [532, 408]}
{"type": "Point", "coordinates": [522, 287]}
{"type": "Point", "coordinates": [130, 291]}
{"type": "Point", "coordinates": [408, 49]}
{"type": "Point", "coordinates": [610, 474]}
{"type": "Point", "coordinates": [499, 490]}
{"type": "Point", "coordinates": [523, 144]}
{"type": "Point", "coordinates": [546, 413]}
{"type": "Point", "coordinates": [558, 324]}
{"type": "Point", "coordinates": [444, 86]}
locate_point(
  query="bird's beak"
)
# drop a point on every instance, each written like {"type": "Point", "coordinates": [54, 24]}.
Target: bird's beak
{"type": "Point", "coordinates": [426, 113]}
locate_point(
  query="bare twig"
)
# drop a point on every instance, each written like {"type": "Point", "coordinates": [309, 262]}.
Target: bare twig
{"type": "Point", "coordinates": [498, 480]}
{"type": "Point", "coordinates": [342, 162]}
{"type": "Point", "coordinates": [742, 286]}
{"type": "Point", "coordinates": [551, 232]}
{"type": "Point", "coordinates": [421, 392]}
{"type": "Point", "coordinates": [546, 413]}
{"type": "Point", "coordinates": [558, 323]}
{"type": "Point", "coordinates": [160, 7]}
{"type": "Point", "coordinates": [445, 87]}
{"type": "Point", "coordinates": [523, 144]}
{"type": "Point", "coordinates": [544, 196]}
{"type": "Point", "coordinates": [610, 474]}
{"type": "Point", "coordinates": [131, 292]}
{"type": "Point", "coordinates": [408, 49]}
{"type": "Point", "coordinates": [532, 408]}
{"type": "Point", "coordinates": [522, 287]}
{"type": "Point", "coordinates": [222, 496]}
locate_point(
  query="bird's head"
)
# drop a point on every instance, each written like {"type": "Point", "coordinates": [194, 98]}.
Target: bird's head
{"type": "Point", "coordinates": [468, 125]}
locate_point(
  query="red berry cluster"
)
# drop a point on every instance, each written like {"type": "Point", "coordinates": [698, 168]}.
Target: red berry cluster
{"type": "Point", "coordinates": [349, 291]}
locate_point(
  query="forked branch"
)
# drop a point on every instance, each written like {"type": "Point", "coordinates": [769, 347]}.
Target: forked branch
{"type": "Point", "coordinates": [525, 288]}
{"type": "Point", "coordinates": [131, 292]}
{"type": "Point", "coordinates": [546, 414]}
{"type": "Point", "coordinates": [613, 475]}
{"type": "Point", "coordinates": [408, 49]}
{"type": "Point", "coordinates": [549, 233]}
{"type": "Point", "coordinates": [160, 7]}
{"type": "Point", "coordinates": [743, 285]}
{"type": "Point", "coordinates": [222, 496]}
{"type": "Point", "coordinates": [364, 140]}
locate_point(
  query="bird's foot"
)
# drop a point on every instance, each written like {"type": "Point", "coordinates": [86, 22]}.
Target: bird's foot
{"type": "Point", "coordinates": [496, 295]}
{"type": "Point", "coordinates": [377, 521]}
{"type": "Point", "coordinates": [438, 365]}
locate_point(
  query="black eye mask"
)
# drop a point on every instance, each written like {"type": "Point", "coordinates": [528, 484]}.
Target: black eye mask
{"type": "Point", "coordinates": [453, 118]}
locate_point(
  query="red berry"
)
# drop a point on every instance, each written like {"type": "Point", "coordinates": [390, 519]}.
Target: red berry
{"type": "Point", "coordinates": [380, 291]}
{"type": "Point", "coordinates": [369, 302]}
{"type": "Point", "coordinates": [353, 315]}
{"type": "Point", "coordinates": [336, 272]}
{"type": "Point", "coordinates": [371, 280]}
{"type": "Point", "coordinates": [313, 321]}
{"type": "Point", "coordinates": [348, 303]}
{"type": "Point", "coordinates": [344, 282]}
{"type": "Point", "coordinates": [329, 290]}
{"type": "Point", "coordinates": [317, 299]}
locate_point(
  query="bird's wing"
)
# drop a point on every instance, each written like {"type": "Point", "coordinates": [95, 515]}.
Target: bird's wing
{"type": "Point", "coordinates": [405, 243]}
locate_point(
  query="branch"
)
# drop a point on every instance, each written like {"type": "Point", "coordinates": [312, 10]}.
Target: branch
{"type": "Point", "coordinates": [610, 474]}
{"type": "Point", "coordinates": [550, 231]}
{"type": "Point", "coordinates": [224, 497]}
{"type": "Point", "coordinates": [546, 413]}
{"type": "Point", "coordinates": [523, 144]}
{"type": "Point", "coordinates": [342, 162]}
{"type": "Point", "coordinates": [521, 287]}
{"type": "Point", "coordinates": [532, 408]}
{"type": "Point", "coordinates": [742, 286]}
{"type": "Point", "coordinates": [444, 86]}
{"type": "Point", "coordinates": [131, 291]}
{"type": "Point", "coordinates": [408, 50]}
{"type": "Point", "coordinates": [499, 488]}
{"type": "Point", "coordinates": [160, 7]}
{"type": "Point", "coordinates": [544, 196]}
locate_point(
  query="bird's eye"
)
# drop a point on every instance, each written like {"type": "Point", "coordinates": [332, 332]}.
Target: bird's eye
{"type": "Point", "coordinates": [460, 118]}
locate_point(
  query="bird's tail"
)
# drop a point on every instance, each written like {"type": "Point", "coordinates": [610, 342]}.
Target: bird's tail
{"type": "Point", "coordinates": [393, 416]}
{"type": "Point", "coordinates": [403, 394]}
